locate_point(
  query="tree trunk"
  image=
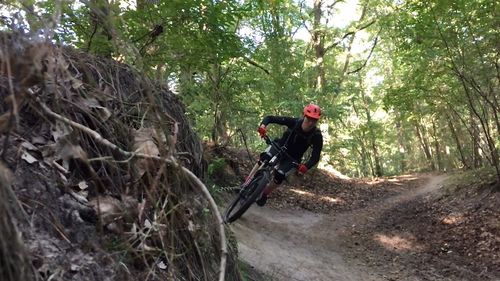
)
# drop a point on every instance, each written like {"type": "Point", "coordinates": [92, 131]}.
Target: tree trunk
{"type": "Point", "coordinates": [378, 167]}
{"type": "Point", "coordinates": [366, 163]}
{"type": "Point", "coordinates": [371, 131]}
{"type": "Point", "coordinates": [185, 81]}
{"type": "Point", "coordinates": [402, 145]}
{"type": "Point", "coordinates": [362, 167]}
{"type": "Point", "coordinates": [476, 146]}
{"type": "Point", "coordinates": [219, 127]}
{"type": "Point", "coordinates": [365, 158]}
{"type": "Point", "coordinates": [373, 143]}
{"type": "Point", "coordinates": [437, 146]}
{"type": "Point", "coordinates": [425, 145]}
{"type": "Point", "coordinates": [319, 46]}
{"type": "Point", "coordinates": [457, 141]}
{"type": "Point", "coordinates": [483, 119]}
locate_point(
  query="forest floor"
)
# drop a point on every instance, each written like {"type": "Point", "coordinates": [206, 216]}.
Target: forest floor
{"type": "Point", "coordinates": [413, 227]}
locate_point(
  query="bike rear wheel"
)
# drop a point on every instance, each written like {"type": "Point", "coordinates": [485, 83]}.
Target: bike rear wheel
{"type": "Point", "coordinates": [247, 196]}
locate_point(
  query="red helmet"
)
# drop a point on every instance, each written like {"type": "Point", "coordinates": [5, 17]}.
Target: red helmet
{"type": "Point", "coordinates": [312, 111]}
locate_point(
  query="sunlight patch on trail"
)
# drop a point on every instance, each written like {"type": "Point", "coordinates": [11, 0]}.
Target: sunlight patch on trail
{"type": "Point", "coordinates": [453, 219]}
{"type": "Point", "coordinates": [320, 197]}
{"type": "Point", "coordinates": [396, 243]}
{"type": "Point", "coordinates": [398, 180]}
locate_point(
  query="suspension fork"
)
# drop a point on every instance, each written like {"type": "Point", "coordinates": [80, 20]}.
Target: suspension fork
{"type": "Point", "coordinates": [259, 165]}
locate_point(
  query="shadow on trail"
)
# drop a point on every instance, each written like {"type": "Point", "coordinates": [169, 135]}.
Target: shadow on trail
{"type": "Point", "coordinates": [413, 239]}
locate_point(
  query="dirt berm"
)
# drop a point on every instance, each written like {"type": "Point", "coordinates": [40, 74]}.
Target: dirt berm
{"type": "Point", "coordinates": [92, 179]}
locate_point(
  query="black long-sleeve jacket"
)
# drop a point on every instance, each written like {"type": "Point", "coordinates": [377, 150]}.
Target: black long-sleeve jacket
{"type": "Point", "coordinates": [298, 140]}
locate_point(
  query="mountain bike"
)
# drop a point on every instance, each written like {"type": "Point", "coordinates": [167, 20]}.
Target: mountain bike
{"type": "Point", "coordinates": [254, 186]}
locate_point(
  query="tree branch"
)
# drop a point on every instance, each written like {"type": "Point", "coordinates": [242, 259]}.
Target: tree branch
{"type": "Point", "coordinates": [333, 45]}
{"type": "Point", "coordinates": [254, 63]}
{"type": "Point", "coordinates": [334, 3]}
{"type": "Point", "coordinates": [91, 38]}
{"type": "Point", "coordinates": [301, 4]}
{"type": "Point", "coordinates": [368, 58]}
{"type": "Point", "coordinates": [153, 34]}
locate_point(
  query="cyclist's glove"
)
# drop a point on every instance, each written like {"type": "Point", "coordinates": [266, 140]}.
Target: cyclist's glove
{"type": "Point", "coordinates": [262, 131]}
{"type": "Point", "coordinates": [302, 169]}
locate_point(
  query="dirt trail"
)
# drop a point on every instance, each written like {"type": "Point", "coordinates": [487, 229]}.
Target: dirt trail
{"type": "Point", "coordinates": [302, 246]}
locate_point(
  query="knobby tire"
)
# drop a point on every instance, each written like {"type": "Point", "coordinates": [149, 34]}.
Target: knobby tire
{"type": "Point", "coordinates": [247, 196]}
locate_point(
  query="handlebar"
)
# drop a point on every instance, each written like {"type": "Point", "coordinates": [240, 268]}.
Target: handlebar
{"type": "Point", "coordinates": [281, 149]}
{"type": "Point", "coordinates": [269, 141]}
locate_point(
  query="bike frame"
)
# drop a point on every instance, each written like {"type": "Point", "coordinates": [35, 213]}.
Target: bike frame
{"type": "Point", "coordinates": [273, 161]}
{"type": "Point", "coordinates": [255, 184]}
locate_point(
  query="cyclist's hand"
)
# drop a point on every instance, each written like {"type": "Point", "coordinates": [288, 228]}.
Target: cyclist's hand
{"type": "Point", "coordinates": [302, 169]}
{"type": "Point", "coordinates": [262, 130]}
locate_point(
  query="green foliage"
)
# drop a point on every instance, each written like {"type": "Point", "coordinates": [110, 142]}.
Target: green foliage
{"type": "Point", "coordinates": [234, 62]}
{"type": "Point", "coordinates": [215, 166]}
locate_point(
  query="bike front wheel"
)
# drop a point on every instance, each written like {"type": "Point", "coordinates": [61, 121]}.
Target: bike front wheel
{"type": "Point", "coordinates": [247, 196]}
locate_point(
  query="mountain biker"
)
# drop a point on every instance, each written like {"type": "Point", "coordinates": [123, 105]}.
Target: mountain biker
{"type": "Point", "coordinates": [301, 134]}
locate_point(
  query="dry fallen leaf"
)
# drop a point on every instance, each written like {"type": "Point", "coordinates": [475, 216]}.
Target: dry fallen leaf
{"type": "Point", "coordinates": [71, 151]}
{"type": "Point", "coordinates": [39, 140]}
{"type": "Point", "coordinates": [28, 146]}
{"type": "Point", "coordinates": [102, 112]}
{"type": "Point", "coordinates": [60, 130]}
{"type": "Point", "coordinates": [28, 157]}
{"type": "Point", "coordinates": [144, 142]}
{"type": "Point", "coordinates": [161, 265]}
{"type": "Point", "coordinates": [83, 185]}
{"type": "Point", "coordinates": [76, 83]}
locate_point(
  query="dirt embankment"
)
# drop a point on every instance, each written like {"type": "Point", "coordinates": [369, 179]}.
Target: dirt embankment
{"type": "Point", "coordinates": [95, 151]}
